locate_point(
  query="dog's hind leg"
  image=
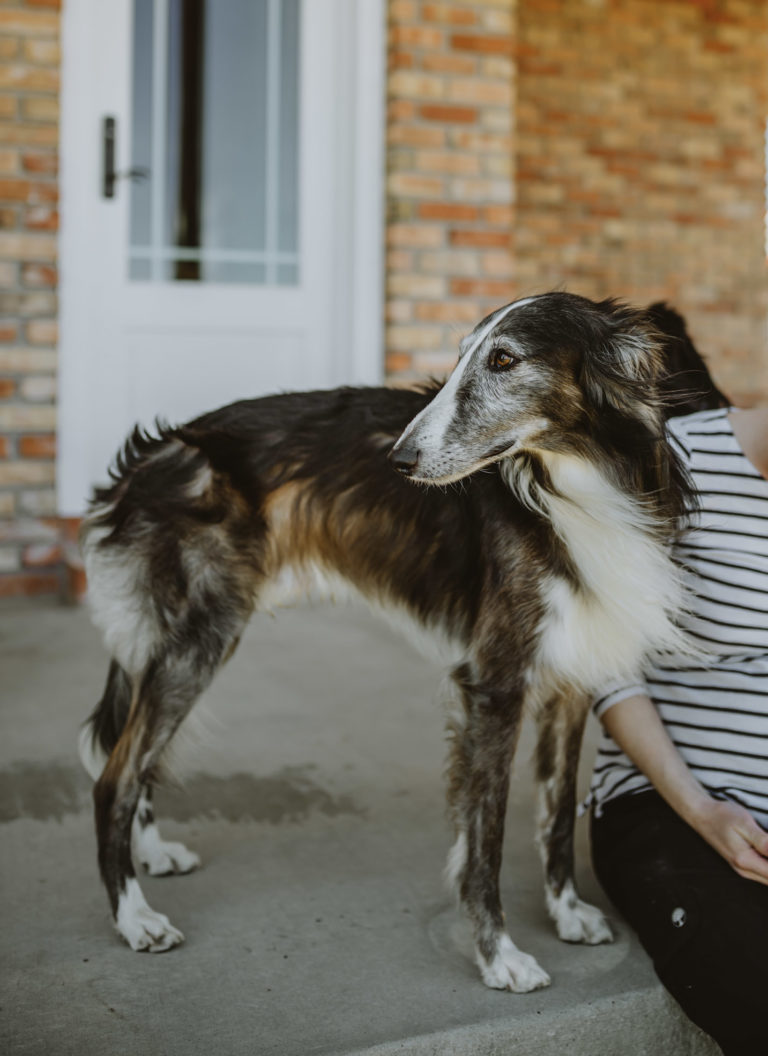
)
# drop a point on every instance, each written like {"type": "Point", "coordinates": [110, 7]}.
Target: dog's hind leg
{"type": "Point", "coordinates": [484, 737]}
{"type": "Point", "coordinates": [98, 737]}
{"type": "Point", "coordinates": [560, 727]}
{"type": "Point", "coordinates": [166, 691]}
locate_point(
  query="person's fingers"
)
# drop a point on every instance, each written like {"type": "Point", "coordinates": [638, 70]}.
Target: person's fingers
{"type": "Point", "coordinates": [751, 865]}
{"type": "Point", "coordinates": [753, 876]}
{"type": "Point", "coordinates": [758, 838]}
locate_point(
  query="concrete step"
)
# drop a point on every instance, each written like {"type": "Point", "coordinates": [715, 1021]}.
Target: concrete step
{"type": "Point", "coordinates": [318, 923]}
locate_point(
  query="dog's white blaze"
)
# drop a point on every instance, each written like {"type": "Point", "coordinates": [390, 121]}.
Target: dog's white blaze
{"type": "Point", "coordinates": [116, 597]}
{"type": "Point", "coordinates": [632, 588]}
{"type": "Point", "coordinates": [434, 420]}
{"type": "Point", "coordinates": [511, 969]}
{"type": "Point", "coordinates": [577, 921]}
{"type": "Point", "coordinates": [141, 927]}
{"type": "Point", "coordinates": [496, 319]}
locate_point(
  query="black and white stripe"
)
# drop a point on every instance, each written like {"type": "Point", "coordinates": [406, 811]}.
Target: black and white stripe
{"type": "Point", "coordinates": [716, 710]}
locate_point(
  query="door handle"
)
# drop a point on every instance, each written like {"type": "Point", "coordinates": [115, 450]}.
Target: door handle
{"type": "Point", "coordinates": [109, 174]}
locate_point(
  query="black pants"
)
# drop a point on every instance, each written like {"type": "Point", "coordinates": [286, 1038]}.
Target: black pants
{"type": "Point", "coordinates": [705, 927]}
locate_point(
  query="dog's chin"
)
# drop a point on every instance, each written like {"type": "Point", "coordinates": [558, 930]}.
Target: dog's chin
{"type": "Point", "coordinates": [456, 474]}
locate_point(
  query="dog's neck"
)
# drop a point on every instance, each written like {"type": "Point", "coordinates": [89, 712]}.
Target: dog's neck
{"type": "Point", "coordinates": [626, 591]}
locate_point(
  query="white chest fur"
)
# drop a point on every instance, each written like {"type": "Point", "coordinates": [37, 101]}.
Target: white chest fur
{"type": "Point", "coordinates": [629, 592]}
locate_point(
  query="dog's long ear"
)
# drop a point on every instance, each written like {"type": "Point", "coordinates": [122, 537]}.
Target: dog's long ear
{"type": "Point", "coordinates": [685, 383]}
{"type": "Point", "coordinates": [622, 365]}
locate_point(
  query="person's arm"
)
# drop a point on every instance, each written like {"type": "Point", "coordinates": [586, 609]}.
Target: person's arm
{"type": "Point", "coordinates": [635, 725]}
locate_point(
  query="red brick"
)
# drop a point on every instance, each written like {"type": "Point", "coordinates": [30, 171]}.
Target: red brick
{"type": "Point", "coordinates": [4, 448]}
{"type": "Point", "coordinates": [28, 22]}
{"type": "Point", "coordinates": [39, 275]}
{"type": "Point", "coordinates": [485, 44]}
{"type": "Point", "coordinates": [42, 332]}
{"type": "Point", "coordinates": [400, 110]}
{"type": "Point", "coordinates": [494, 288]}
{"type": "Point", "coordinates": [28, 584]}
{"type": "Point", "coordinates": [402, 10]}
{"type": "Point", "coordinates": [41, 218]}
{"type": "Point", "coordinates": [48, 163]}
{"type": "Point", "coordinates": [400, 60]}
{"type": "Point", "coordinates": [45, 52]}
{"type": "Point", "coordinates": [416, 37]}
{"type": "Point", "coordinates": [450, 114]}
{"type": "Point", "coordinates": [397, 361]}
{"type": "Point", "coordinates": [7, 388]}
{"type": "Point", "coordinates": [499, 215]}
{"type": "Point", "coordinates": [27, 191]}
{"type": "Point", "coordinates": [8, 330]}
{"type": "Point", "coordinates": [481, 239]}
{"type": "Point", "coordinates": [448, 211]}
{"type": "Point", "coordinates": [447, 62]}
{"type": "Point", "coordinates": [416, 136]}
{"type": "Point", "coordinates": [446, 312]}
{"type": "Point", "coordinates": [42, 555]}
{"type": "Point", "coordinates": [38, 446]}
{"type": "Point", "coordinates": [449, 14]}
{"type": "Point", "coordinates": [19, 77]}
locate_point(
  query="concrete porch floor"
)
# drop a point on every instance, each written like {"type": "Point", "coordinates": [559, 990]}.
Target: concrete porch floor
{"type": "Point", "coordinates": [318, 923]}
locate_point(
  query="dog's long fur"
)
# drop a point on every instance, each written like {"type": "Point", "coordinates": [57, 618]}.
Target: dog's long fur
{"type": "Point", "coordinates": [545, 570]}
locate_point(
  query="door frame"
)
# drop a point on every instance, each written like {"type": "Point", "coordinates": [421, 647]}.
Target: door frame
{"type": "Point", "coordinates": [357, 311]}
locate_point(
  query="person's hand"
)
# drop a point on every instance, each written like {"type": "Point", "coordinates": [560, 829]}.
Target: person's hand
{"type": "Point", "coordinates": [735, 835]}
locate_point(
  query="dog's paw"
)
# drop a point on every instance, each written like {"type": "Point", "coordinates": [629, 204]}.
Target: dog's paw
{"type": "Point", "coordinates": [577, 921]}
{"type": "Point", "coordinates": [511, 969]}
{"type": "Point", "coordinates": [161, 857]}
{"type": "Point", "coordinates": [142, 928]}
{"type": "Point", "coordinates": [166, 858]}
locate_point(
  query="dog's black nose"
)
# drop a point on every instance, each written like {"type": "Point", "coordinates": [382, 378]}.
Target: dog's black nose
{"type": "Point", "coordinates": [404, 459]}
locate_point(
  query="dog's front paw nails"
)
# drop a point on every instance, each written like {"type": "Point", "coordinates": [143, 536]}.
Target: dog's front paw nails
{"type": "Point", "coordinates": [142, 928]}
{"type": "Point", "coordinates": [511, 969]}
{"type": "Point", "coordinates": [166, 858]}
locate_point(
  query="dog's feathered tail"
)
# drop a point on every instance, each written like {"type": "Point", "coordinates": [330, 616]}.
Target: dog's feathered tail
{"type": "Point", "coordinates": [101, 730]}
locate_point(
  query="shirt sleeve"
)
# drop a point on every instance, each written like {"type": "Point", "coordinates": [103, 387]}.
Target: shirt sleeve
{"type": "Point", "coordinates": [615, 692]}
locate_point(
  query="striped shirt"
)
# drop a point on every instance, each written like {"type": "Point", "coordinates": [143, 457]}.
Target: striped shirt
{"type": "Point", "coordinates": [715, 708]}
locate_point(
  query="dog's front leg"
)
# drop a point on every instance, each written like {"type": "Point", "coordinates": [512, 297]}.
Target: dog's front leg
{"type": "Point", "coordinates": [560, 725]}
{"type": "Point", "coordinates": [484, 736]}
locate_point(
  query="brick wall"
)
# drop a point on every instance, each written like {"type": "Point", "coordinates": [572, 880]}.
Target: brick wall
{"type": "Point", "coordinates": [611, 146]}
{"type": "Point", "coordinates": [449, 176]}
{"type": "Point", "coordinates": [29, 83]}
{"type": "Point", "coordinates": [630, 134]}
{"type": "Point", "coordinates": [640, 163]}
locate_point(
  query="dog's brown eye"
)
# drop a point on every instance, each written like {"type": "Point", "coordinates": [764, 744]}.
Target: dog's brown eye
{"type": "Point", "coordinates": [501, 359]}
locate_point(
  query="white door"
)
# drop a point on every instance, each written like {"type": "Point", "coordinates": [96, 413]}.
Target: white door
{"type": "Point", "coordinates": [221, 211]}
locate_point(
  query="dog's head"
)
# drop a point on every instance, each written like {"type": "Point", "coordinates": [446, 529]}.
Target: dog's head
{"type": "Point", "coordinates": [534, 375]}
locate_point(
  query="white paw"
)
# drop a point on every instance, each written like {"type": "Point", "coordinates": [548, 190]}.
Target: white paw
{"type": "Point", "coordinates": [577, 921]}
{"type": "Point", "coordinates": [141, 927]}
{"type": "Point", "coordinates": [511, 969]}
{"type": "Point", "coordinates": [169, 858]}
{"type": "Point", "coordinates": [162, 857]}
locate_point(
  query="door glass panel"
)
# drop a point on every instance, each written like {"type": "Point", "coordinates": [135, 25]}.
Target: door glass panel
{"type": "Point", "coordinates": [214, 195]}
